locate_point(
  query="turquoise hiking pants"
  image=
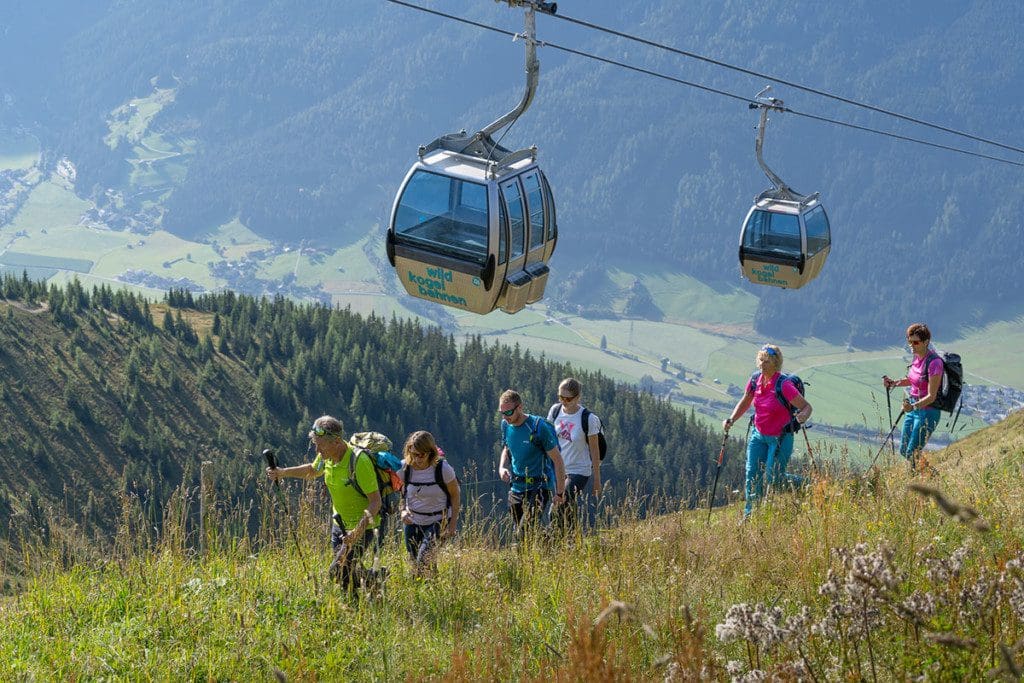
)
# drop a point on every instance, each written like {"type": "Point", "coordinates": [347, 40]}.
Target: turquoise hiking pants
{"type": "Point", "coordinates": [767, 458]}
{"type": "Point", "coordinates": [918, 425]}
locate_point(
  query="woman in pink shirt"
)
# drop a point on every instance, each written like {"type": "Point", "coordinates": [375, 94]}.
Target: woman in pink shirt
{"type": "Point", "coordinates": [924, 377]}
{"type": "Point", "coordinates": [771, 439]}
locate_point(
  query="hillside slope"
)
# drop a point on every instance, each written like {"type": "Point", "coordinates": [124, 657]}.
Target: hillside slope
{"type": "Point", "coordinates": [104, 395]}
{"type": "Point", "coordinates": [876, 578]}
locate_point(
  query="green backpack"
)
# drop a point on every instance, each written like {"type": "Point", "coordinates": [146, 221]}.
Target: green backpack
{"type": "Point", "coordinates": [386, 465]}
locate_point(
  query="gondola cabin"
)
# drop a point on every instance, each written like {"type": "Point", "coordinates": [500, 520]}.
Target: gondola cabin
{"type": "Point", "coordinates": [470, 232]}
{"type": "Point", "coordinates": [784, 242]}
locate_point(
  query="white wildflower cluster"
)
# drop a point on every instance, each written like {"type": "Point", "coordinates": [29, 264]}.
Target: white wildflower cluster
{"type": "Point", "coordinates": [855, 597]}
{"type": "Point", "coordinates": [1011, 585]}
{"type": "Point", "coordinates": [977, 600]}
{"type": "Point", "coordinates": [942, 570]}
{"type": "Point", "coordinates": [919, 605]}
{"type": "Point", "coordinates": [869, 574]}
{"type": "Point", "coordinates": [759, 625]}
{"type": "Point", "coordinates": [767, 629]}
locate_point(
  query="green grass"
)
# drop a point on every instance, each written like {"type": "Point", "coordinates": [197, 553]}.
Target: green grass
{"type": "Point", "coordinates": [50, 206]}
{"type": "Point", "coordinates": [158, 248]}
{"type": "Point", "coordinates": [237, 240]}
{"type": "Point", "coordinates": [130, 121]}
{"type": "Point", "coordinates": [674, 597]}
{"type": "Point", "coordinates": [13, 258]}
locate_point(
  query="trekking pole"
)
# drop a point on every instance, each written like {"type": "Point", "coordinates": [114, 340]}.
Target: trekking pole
{"type": "Point", "coordinates": [268, 455]}
{"type": "Point", "coordinates": [892, 431]}
{"type": "Point", "coordinates": [888, 404]}
{"type": "Point", "coordinates": [810, 454]}
{"type": "Point", "coordinates": [718, 470]}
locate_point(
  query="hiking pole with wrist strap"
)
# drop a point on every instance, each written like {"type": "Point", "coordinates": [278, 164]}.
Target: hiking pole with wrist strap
{"type": "Point", "coordinates": [888, 404]}
{"type": "Point", "coordinates": [268, 455]}
{"type": "Point", "coordinates": [718, 470]}
{"type": "Point", "coordinates": [892, 431]}
{"type": "Point", "coordinates": [810, 454]}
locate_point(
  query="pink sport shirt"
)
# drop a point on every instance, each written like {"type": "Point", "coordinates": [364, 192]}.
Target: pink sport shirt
{"type": "Point", "coordinates": [918, 380]}
{"type": "Point", "coordinates": [770, 416]}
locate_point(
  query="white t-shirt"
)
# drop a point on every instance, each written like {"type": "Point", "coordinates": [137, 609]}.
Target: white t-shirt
{"type": "Point", "coordinates": [424, 498]}
{"type": "Point", "coordinates": [573, 442]}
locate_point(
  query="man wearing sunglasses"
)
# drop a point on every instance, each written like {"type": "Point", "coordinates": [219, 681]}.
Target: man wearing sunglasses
{"type": "Point", "coordinates": [530, 462]}
{"type": "Point", "coordinates": [356, 501]}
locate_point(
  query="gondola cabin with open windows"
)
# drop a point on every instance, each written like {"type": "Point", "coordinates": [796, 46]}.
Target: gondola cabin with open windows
{"type": "Point", "coordinates": [784, 243]}
{"type": "Point", "coordinates": [472, 233]}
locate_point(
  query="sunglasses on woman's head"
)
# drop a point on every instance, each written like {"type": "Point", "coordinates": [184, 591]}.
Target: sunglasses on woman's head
{"type": "Point", "coordinates": [769, 350]}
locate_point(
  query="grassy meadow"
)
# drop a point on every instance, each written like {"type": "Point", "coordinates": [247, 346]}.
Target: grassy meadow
{"type": "Point", "coordinates": [876, 578]}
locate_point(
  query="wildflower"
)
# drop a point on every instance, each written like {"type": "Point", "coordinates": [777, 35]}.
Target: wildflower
{"type": "Point", "coordinates": [942, 570]}
{"type": "Point", "coordinates": [977, 600]}
{"type": "Point", "coordinates": [918, 606]}
{"type": "Point", "coordinates": [758, 625]}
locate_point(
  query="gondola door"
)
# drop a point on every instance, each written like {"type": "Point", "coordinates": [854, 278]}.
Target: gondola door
{"type": "Point", "coordinates": [538, 230]}
{"type": "Point", "coordinates": [516, 288]}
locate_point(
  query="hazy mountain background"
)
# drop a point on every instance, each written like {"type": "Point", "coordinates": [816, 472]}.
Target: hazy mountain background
{"type": "Point", "coordinates": [306, 117]}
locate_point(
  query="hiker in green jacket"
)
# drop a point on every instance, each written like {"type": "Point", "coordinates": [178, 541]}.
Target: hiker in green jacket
{"type": "Point", "coordinates": [356, 503]}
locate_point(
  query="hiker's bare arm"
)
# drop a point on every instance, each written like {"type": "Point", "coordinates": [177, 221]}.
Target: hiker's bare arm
{"type": "Point", "coordinates": [890, 383]}
{"type": "Point", "coordinates": [503, 472]}
{"type": "Point", "coordinates": [372, 508]}
{"type": "Point", "coordinates": [298, 472]}
{"type": "Point", "coordinates": [804, 409]}
{"type": "Point", "coordinates": [595, 463]}
{"type": "Point", "coordinates": [456, 494]}
{"type": "Point", "coordinates": [934, 382]}
{"type": "Point", "coordinates": [556, 457]}
{"type": "Point", "coordinates": [373, 502]}
{"type": "Point", "coordinates": [741, 407]}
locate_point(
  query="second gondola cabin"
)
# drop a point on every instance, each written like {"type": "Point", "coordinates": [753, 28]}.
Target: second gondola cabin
{"type": "Point", "coordinates": [784, 242]}
{"type": "Point", "coordinates": [473, 226]}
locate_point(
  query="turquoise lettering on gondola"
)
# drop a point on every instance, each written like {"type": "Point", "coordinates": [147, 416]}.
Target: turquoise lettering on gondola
{"type": "Point", "coordinates": [440, 274]}
{"type": "Point", "coordinates": [441, 296]}
{"type": "Point", "coordinates": [767, 274]}
{"type": "Point", "coordinates": [433, 286]}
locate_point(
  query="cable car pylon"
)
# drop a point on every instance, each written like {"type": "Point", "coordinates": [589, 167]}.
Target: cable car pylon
{"type": "Point", "coordinates": [473, 225]}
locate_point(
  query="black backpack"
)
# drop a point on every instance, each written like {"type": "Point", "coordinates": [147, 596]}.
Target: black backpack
{"type": "Point", "coordinates": [794, 425]}
{"type": "Point", "coordinates": [951, 389]}
{"type": "Point", "coordinates": [602, 443]}
{"type": "Point", "coordinates": [952, 380]}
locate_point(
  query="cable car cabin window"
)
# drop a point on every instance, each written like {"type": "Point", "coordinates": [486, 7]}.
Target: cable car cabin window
{"type": "Point", "coordinates": [535, 200]}
{"type": "Point", "coordinates": [502, 233]}
{"type": "Point", "coordinates": [444, 215]}
{"type": "Point", "coordinates": [818, 236]}
{"type": "Point", "coordinates": [777, 233]}
{"type": "Point", "coordinates": [550, 202]}
{"type": "Point", "coordinates": [516, 218]}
